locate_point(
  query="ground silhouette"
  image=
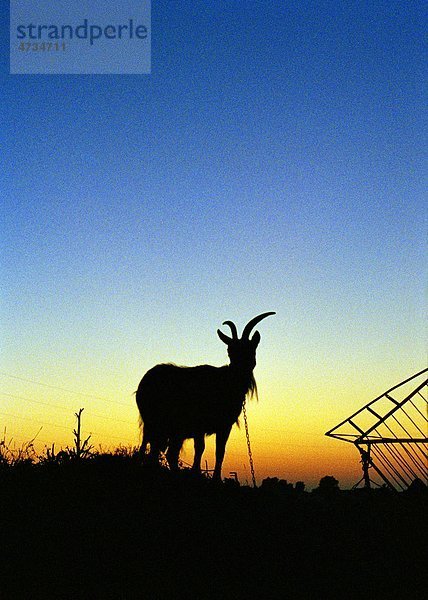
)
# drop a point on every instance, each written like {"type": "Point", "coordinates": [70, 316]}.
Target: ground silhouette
{"type": "Point", "coordinates": [109, 529]}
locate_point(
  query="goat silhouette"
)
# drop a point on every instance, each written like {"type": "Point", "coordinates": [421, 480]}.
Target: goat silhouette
{"type": "Point", "coordinates": [177, 403]}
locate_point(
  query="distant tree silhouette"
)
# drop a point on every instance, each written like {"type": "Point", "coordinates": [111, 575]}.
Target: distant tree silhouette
{"type": "Point", "coordinates": [328, 485]}
{"type": "Point", "coordinates": [299, 487]}
{"type": "Point", "coordinates": [178, 403]}
{"type": "Point", "coordinates": [273, 483]}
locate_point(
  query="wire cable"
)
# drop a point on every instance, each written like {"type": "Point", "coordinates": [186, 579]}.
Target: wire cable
{"type": "Point", "coordinates": [54, 387]}
{"type": "Point", "coordinates": [63, 408]}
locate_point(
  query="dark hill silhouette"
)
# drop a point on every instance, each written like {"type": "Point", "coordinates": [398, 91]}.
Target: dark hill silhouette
{"type": "Point", "coordinates": [109, 529]}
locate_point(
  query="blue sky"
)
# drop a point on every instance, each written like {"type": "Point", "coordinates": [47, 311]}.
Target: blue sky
{"type": "Point", "coordinates": [273, 160]}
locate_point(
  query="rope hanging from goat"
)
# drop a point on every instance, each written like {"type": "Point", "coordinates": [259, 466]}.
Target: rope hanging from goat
{"type": "Point", "coordinates": [250, 454]}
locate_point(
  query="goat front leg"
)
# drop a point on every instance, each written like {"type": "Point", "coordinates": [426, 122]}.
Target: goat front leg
{"type": "Point", "coordinates": [220, 446]}
{"type": "Point", "coordinates": [199, 450]}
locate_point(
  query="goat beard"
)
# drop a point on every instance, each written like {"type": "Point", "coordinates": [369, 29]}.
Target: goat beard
{"type": "Point", "coordinates": [249, 385]}
{"type": "Point", "coordinates": [252, 389]}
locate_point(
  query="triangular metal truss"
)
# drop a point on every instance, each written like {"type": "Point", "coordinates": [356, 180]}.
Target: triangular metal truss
{"type": "Point", "coordinates": [390, 433]}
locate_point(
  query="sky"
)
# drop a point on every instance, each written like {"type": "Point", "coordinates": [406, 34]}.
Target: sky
{"type": "Point", "coordinates": [271, 161]}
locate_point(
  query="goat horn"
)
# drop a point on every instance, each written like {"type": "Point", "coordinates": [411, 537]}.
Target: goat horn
{"type": "Point", "coordinates": [249, 326]}
{"type": "Point", "coordinates": [232, 329]}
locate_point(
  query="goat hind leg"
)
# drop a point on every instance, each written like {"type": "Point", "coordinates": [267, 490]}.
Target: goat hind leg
{"type": "Point", "coordinates": [173, 453]}
{"type": "Point", "coordinates": [199, 441]}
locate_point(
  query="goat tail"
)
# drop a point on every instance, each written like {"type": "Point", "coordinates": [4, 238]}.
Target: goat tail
{"type": "Point", "coordinates": [140, 419]}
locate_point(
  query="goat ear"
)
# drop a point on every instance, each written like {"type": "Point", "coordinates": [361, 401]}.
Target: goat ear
{"type": "Point", "coordinates": [224, 338]}
{"type": "Point", "coordinates": [255, 339]}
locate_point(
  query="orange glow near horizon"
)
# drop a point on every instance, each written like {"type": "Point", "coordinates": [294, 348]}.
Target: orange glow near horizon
{"type": "Point", "coordinates": [286, 432]}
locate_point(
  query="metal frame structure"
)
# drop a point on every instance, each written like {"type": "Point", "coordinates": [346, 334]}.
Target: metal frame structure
{"type": "Point", "coordinates": [390, 433]}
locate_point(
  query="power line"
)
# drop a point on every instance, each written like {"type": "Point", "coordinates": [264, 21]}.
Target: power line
{"type": "Point", "coordinates": [89, 412]}
{"type": "Point", "coordinates": [65, 409]}
{"type": "Point", "coordinates": [32, 420]}
{"type": "Point", "coordinates": [108, 436]}
{"type": "Point", "coordinates": [36, 401]}
{"type": "Point", "coordinates": [54, 387]}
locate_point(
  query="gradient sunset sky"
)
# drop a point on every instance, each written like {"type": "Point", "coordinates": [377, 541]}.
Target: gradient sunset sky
{"type": "Point", "coordinates": [273, 160]}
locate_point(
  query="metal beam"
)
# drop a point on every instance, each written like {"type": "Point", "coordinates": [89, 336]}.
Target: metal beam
{"type": "Point", "coordinates": [391, 412]}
